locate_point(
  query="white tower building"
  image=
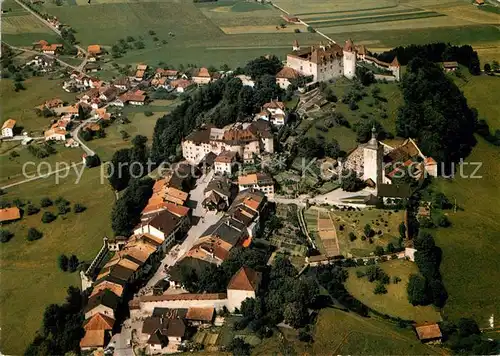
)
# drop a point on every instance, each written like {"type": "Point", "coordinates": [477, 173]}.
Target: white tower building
{"type": "Point", "coordinates": [373, 155]}
{"type": "Point", "coordinates": [296, 46]}
{"type": "Point", "coordinates": [349, 59]}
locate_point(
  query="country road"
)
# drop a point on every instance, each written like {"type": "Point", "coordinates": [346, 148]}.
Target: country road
{"type": "Point", "coordinates": [48, 55]}
{"type": "Point", "coordinates": [76, 131]}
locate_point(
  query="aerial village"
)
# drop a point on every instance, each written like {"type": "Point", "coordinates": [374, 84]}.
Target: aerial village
{"type": "Point", "coordinates": [135, 301]}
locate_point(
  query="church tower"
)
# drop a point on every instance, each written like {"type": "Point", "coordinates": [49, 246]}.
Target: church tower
{"type": "Point", "coordinates": [373, 154]}
{"type": "Point", "coordinates": [349, 59]}
{"type": "Point", "coordinates": [296, 46]}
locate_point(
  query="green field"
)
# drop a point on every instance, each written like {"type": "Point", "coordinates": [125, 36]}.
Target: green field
{"type": "Point", "coordinates": [198, 37]}
{"type": "Point", "coordinates": [342, 333]}
{"type": "Point", "coordinates": [395, 302]}
{"type": "Point", "coordinates": [30, 277]}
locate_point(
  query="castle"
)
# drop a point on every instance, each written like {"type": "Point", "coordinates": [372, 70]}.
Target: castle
{"type": "Point", "coordinates": [330, 61]}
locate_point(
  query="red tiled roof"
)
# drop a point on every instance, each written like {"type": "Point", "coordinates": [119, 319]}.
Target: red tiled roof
{"type": "Point", "coordinates": [9, 214]}
{"type": "Point", "coordinates": [245, 279]}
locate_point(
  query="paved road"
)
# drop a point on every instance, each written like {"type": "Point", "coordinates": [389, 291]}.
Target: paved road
{"type": "Point", "coordinates": [41, 176]}
{"type": "Point", "coordinates": [206, 219]}
{"type": "Point", "coordinates": [75, 132]}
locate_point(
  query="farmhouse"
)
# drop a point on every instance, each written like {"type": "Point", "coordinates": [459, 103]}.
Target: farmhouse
{"type": "Point", "coordinates": [274, 112]}
{"type": "Point", "coordinates": [94, 50]}
{"type": "Point", "coordinates": [180, 85]}
{"type": "Point", "coordinates": [428, 332]}
{"type": "Point", "coordinates": [52, 49]}
{"type": "Point", "coordinates": [201, 76]}
{"type": "Point", "coordinates": [9, 214]}
{"type": "Point", "coordinates": [55, 134]}
{"type": "Point", "coordinates": [136, 97]}
{"type": "Point", "coordinates": [8, 128]}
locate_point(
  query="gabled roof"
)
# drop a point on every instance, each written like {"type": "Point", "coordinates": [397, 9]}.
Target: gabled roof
{"type": "Point", "coordinates": [94, 49]}
{"type": "Point", "coordinates": [93, 339]}
{"type": "Point", "coordinates": [245, 279]}
{"type": "Point", "coordinates": [274, 104]}
{"type": "Point", "coordinates": [428, 331]}
{"type": "Point", "coordinates": [99, 322]}
{"type": "Point", "coordinates": [108, 283]}
{"type": "Point", "coordinates": [395, 62]}
{"type": "Point", "coordinates": [164, 221]}
{"type": "Point", "coordinates": [200, 314]}
{"type": "Point", "coordinates": [106, 297]}
{"type": "Point", "coordinates": [202, 72]}
{"type": "Point", "coordinates": [348, 46]}
{"type": "Point", "coordinates": [288, 73]}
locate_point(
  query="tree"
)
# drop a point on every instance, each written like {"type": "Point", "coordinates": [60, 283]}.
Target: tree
{"type": "Point", "coordinates": [487, 67]}
{"type": "Point", "coordinates": [18, 86]}
{"type": "Point", "coordinates": [62, 208]}
{"type": "Point", "coordinates": [34, 234]}
{"type": "Point", "coordinates": [352, 236]}
{"type": "Point", "coordinates": [130, 39]}
{"type": "Point", "coordinates": [332, 149]}
{"type": "Point", "coordinates": [86, 135]}
{"type": "Point", "coordinates": [139, 45]}
{"type": "Point", "coordinates": [368, 231]}
{"type": "Point", "coordinates": [424, 241]}
{"type": "Point", "coordinates": [45, 202]}
{"type": "Point", "coordinates": [495, 66]}
{"type": "Point", "coordinates": [350, 182]}
{"type": "Point", "coordinates": [435, 112]}
{"type": "Point", "coordinates": [32, 209]}
{"type": "Point", "coordinates": [151, 32]}
{"type": "Point", "coordinates": [73, 263]}
{"type": "Point", "coordinates": [417, 290]}
{"type": "Point", "coordinates": [239, 347]}
{"type": "Point", "coordinates": [118, 170]}
{"type": "Point", "coordinates": [79, 208]}
{"type": "Point", "coordinates": [124, 135]}
{"type": "Point", "coordinates": [62, 262]}
{"type": "Point", "coordinates": [262, 65]}
{"type": "Point", "coordinates": [92, 161]}
{"type": "Point", "coordinates": [365, 76]}
{"type": "Point", "coordinates": [48, 217]}
{"type": "Point", "coordinates": [5, 235]}
{"type": "Point", "coordinates": [402, 230]}
{"type": "Point", "coordinates": [379, 250]}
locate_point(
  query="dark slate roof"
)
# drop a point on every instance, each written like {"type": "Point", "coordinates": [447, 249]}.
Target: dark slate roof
{"type": "Point", "coordinates": [224, 231]}
{"type": "Point", "coordinates": [164, 221]}
{"type": "Point", "coordinates": [105, 297]}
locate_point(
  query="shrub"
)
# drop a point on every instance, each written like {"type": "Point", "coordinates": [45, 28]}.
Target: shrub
{"type": "Point", "coordinates": [360, 274]}
{"type": "Point", "coordinates": [32, 209]}
{"type": "Point", "coordinates": [352, 236]}
{"type": "Point", "coordinates": [79, 208]}
{"type": "Point", "coordinates": [310, 29]}
{"type": "Point", "coordinates": [34, 234]}
{"type": "Point", "coordinates": [368, 230]}
{"type": "Point", "coordinates": [379, 251]}
{"type": "Point", "coordinates": [61, 201]}
{"type": "Point", "coordinates": [62, 209]}
{"type": "Point", "coordinates": [62, 262]}
{"type": "Point", "coordinates": [396, 280]}
{"type": "Point", "coordinates": [73, 263]}
{"type": "Point", "coordinates": [48, 217]}
{"type": "Point", "coordinates": [45, 202]}
{"type": "Point", "coordinates": [5, 235]}
{"type": "Point", "coordinates": [148, 113]}
{"type": "Point", "coordinates": [296, 30]}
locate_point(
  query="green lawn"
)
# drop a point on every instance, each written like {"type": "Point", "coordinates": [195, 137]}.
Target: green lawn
{"type": "Point", "coordinates": [342, 333]}
{"type": "Point", "coordinates": [20, 105]}
{"type": "Point", "coordinates": [395, 302]}
{"type": "Point", "coordinates": [368, 106]}
{"type": "Point", "coordinates": [30, 277]}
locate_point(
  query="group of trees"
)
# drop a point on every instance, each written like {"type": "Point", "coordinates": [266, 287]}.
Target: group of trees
{"type": "Point", "coordinates": [483, 129]}
{"type": "Point", "coordinates": [427, 288]}
{"type": "Point", "coordinates": [464, 337]}
{"type": "Point", "coordinates": [310, 147]}
{"type": "Point", "coordinates": [435, 112]}
{"type": "Point", "coordinates": [129, 163]}
{"type": "Point", "coordinates": [62, 327]}
{"type": "Point", "coordinates": [68, 264]}
{"type": "Point", "coordinates": [43, 150]}
{"type": "Point", "coordinates": [434, 52]}
{"type": "Point", "coordinates": [127, 209]}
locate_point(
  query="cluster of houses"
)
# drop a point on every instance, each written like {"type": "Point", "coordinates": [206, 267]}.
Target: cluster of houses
{"type": "Point", "coordinates": [164, 219]}
{"type": "Point", "coordinates": [48, 48]}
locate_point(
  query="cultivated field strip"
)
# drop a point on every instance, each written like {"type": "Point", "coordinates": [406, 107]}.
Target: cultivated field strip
{"type": "Point", "coordinates": [351, 14]}
{"type": "Point", "coordinates": [376, 19]}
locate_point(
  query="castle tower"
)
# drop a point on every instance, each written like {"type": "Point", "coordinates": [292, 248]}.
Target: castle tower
{"type": "Point", "coordinates": [296, 46]}
{"type": "Point", "coordinates": [373, 155]}
{"type": "Point", "coordinates": [395, 67]}
{"type": "Point", "coordinates": [349, 59]}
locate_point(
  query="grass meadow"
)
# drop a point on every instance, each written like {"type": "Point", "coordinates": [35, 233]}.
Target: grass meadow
{"type": "Point", "coordinates": [395, 302]}
{"type": "Point", "coordinates": [337, 332]}
{"type": "Point", "coordinates": [30, 277]}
